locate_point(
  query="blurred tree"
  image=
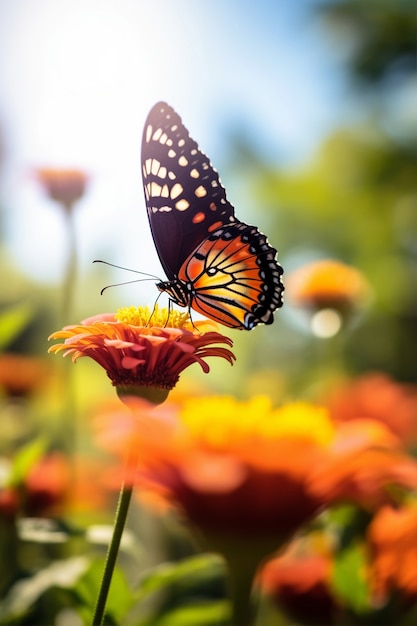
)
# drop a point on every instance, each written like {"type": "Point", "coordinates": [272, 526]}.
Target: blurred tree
{"type": "Point", "coordinates": [355, 199]}
{"type": "Point", "coordinates": [380, 36]}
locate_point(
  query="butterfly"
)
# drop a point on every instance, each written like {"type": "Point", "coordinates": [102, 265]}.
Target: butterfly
{"type": "Point", "coordinates": [215, 264]}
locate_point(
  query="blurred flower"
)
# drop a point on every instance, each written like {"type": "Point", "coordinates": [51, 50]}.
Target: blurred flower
{"type": "Point", "coordinates": [46, 486]}
{"type": "Point", "coordinates": [41, 492]}
{"type": "Point", "coordinates": [392, 537]}
{"type": "Point", "coordinates": [299, 580]}
{"type": "Point", "coordinates": [238, 470]}
{"type": "Point", "coordinates": [238, 467]}
{"type": "Point", "coordinates": [143, 356]}
{"type": "Point", "coordinates": [248, 476]}
{"type": "Point", "coordinates": [9, 503]}
{"type": "Point", "coordinates": [368, 476]}
{"type": "Point", "coordinates": [65, 186]}
{"type": "Point", "coordinates": [21, 375]}
{"type": "Point", "coordinates": [55, 484]}
{"type": "Point", "coordinates": [380, 398]}
{"type": "Point", "coordinates": [327, 285]}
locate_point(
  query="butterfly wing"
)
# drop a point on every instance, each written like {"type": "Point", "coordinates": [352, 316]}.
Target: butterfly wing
{"type": "Point", "coordinates": [215, 264]}
{"type": "Point", "coordinates": [184, 197]}
{"type": "Point", "coordinates": [235, 278]}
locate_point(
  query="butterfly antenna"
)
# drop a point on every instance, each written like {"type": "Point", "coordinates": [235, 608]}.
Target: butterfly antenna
{"type": "Point", "coordinates": [126, 269]}
{"type": "Point", "coordinates": [127, 282]}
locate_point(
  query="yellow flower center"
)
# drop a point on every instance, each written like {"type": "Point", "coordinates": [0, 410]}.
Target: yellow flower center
{"type": "Point", "coordinates": [218, 421]}
{"type": "Point", "coordinates": [143, 316]}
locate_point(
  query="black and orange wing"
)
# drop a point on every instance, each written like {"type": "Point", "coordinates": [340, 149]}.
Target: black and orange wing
{"type": "Point", "coordinates": [234, 277]}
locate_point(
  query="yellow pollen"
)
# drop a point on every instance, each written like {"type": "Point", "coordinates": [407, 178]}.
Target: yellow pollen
{"type": "Point", "coordinates": [143, 316]}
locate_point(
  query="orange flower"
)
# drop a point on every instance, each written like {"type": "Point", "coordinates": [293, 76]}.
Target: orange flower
{"type": "Point", "coordinates": [380, 398]}
{"type": "Point", "coordinates": [232, 466]}
{"type": "Point", "coordinates": [300, 582]}
{"type": "Point", "coordinates": [392, 537]}
{"type": "Point", "coordinates": [248, 476]}
{"type": "Point", "coordinates": [368, 476]}
{"type": "Point", "coordinates": [327, 284]}
{"type": "Point", "coordinates": [65, 186]}
{"type": "Point", "coordinates": [140, 358]}
{"type": "Point", "coordinates": [21, 375]}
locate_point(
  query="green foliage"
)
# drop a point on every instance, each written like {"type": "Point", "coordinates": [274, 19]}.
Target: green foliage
{"type": "Point", "coordinates": [120, 598]}
{"type": "Point", "coordinates": [205, 614]}
{"type": "Point", "coordinates": [27, 595]}
{"type": "Point", "coordinates": [13, 321]}
{"type": "Point", "coordinates": [24, 459]}
{"type": "Point", "coordinates": [349, 578]}
{"type": "Point", "coordinates": [186, 590]}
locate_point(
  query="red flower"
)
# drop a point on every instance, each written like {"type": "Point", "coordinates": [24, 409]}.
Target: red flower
{"type": "Point", "coordinates": [299, 581]}
{"type": "Point", "coordinates": [140, 358]}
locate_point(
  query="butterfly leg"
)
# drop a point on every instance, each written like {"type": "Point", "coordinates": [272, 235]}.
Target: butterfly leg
{"type": "Point", "coordinates": [153, 310]}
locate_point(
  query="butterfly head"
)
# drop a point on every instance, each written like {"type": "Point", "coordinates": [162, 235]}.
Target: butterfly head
{"type": "Point", "coordinates": [177, 291]}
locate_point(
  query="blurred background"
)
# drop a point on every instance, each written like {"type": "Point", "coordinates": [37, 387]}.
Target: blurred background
{"type": "Point", "coordinates": [307, 109]}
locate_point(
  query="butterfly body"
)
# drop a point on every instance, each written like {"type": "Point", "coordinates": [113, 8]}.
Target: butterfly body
{"type": "Point", "coordinates": [214, 263]}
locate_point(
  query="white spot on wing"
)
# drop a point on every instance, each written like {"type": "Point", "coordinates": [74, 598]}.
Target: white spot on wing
{"type": "Point", "coordinates": [155, 166]}
{"type": "Point", "coordinates": [148, 164]}
{"type": "Point", "coordinates": [194, 173]}
{"type": "Point", "coordinates": [157, 134]}
{"type": "Point", "coordinates": [155, 190]}
{"type": "Point", "coordinates": [176, 190]}
{"type": "Point", "coordinates": [171, 153]}
{"type": "Point", "coordinates": [200, 192]}
{"type": "Point", "coordinates": [182, 205]}
{"type": "Point", "coordinates": [182, 161]}
{"type": "Point", "coordinates": [148, 133]}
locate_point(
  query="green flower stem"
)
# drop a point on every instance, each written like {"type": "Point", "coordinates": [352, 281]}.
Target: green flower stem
{"type": "Point", "coordinates": [112, 552]}
{"type": "Point", "coordinates": [244, 554]}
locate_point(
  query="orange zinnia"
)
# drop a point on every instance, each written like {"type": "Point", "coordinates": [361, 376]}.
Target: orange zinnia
{"type": "Point", "coordinates": [327, 284]}
{"type": "Point", "coordinates": [239, 468]}
{"type": "Point", "coordinates": [392, 537]}
{"type": "Point", "coordinates": [65, 186]}
{"type": "Point", "coordinates": [141, 354]}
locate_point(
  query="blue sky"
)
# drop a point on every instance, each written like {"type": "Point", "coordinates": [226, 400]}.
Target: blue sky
{"type": "Point", "coordinates": [77, 78]}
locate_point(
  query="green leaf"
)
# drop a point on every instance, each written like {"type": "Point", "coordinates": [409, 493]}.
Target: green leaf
{"type": "Point", "coordinates": [204, 614]}
{"type": "Point", "coordinates": [27, 456]}
{"type": "Point", "coordinates": [13, 321]}
{"type": "Point", "coordinates": [120, 597]}
{"type": "Point", "coordinates": [24, 594]}
{"type": "Point", "coordinates": [349, 578]}
{"type": "Point", "coordinates": [198, 569]}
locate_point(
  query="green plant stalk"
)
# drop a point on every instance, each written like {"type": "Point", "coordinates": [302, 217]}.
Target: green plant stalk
{"type": "Point", "coordinates": [112, 552]}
